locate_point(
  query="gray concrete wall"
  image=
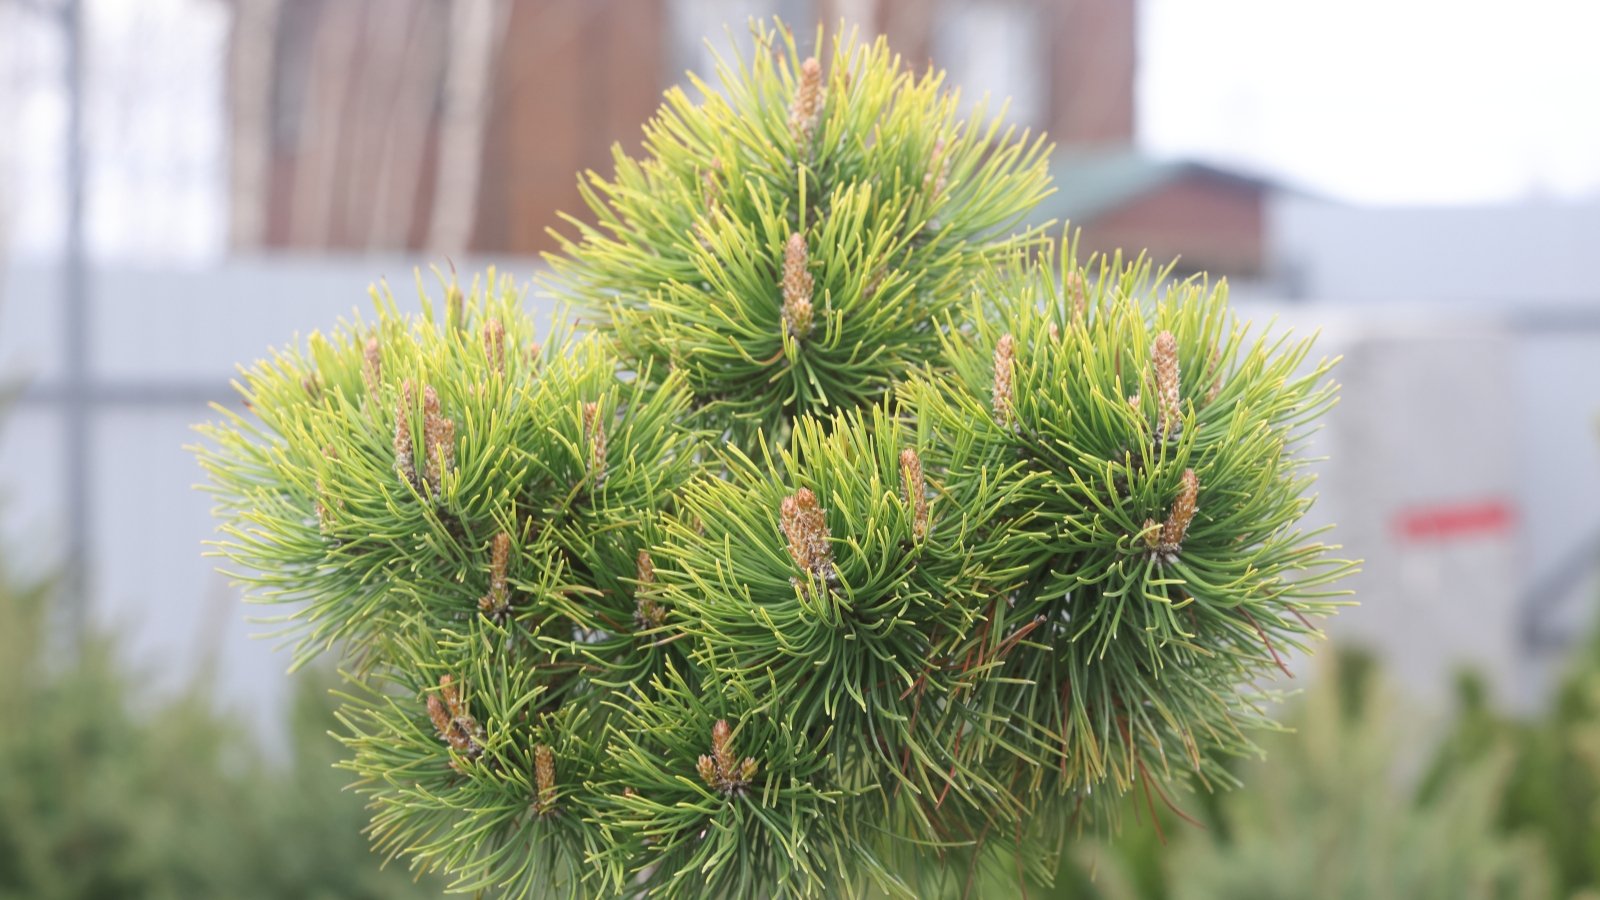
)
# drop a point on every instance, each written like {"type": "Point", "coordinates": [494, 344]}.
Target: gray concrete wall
{"type": "Point", "coordinates": [164, 345]}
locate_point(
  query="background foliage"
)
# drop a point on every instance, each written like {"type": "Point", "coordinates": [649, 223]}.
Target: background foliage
{"type": "Point", "coordinates": [1364, 798]}
{"type": "Point", "coordinates": [114, 791]}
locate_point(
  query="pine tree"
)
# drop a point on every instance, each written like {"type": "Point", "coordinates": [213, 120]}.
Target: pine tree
{"type": "Point", "coordinates": [791, 243]}
{"type": "Point", "coordinates": [866, 536]}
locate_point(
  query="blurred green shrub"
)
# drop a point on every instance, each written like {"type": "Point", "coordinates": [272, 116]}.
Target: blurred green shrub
{"type": "Point", "coordinates": [1335, 813]}
{"type": "Point", "coordinates": [1336, 809]}
{"type": "Point", "coordinates": [1553, 788]}
{"type": "Point", "coordinates": [106, 792]}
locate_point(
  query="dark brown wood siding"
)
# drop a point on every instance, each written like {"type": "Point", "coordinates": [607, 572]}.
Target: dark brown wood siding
{"type": "Point", "coordinates": [1215, 224]}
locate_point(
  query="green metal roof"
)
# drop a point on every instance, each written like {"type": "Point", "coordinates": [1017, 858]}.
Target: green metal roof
{"type": "Point", "coordinates": [1090, 183]}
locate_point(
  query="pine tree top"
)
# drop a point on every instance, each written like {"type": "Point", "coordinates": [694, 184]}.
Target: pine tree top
{"type": "Point", "coordinates": [863, 537]}
{"type": "Point", "coordinates": [791, 241]}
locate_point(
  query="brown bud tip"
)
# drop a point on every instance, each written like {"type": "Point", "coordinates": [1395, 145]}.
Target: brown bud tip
{"type": "Point", "coordinates": [403, 462]}
{"type": "Point", "coordinates": [439, 714]}
{"type": "Point", "coordinates": [797, 287]}
{"type": "Point", "coordinates": [1164, 357]}
{"type": "Point", "coordinates": [439, 439]}
{"type": "Point", "coordinates": [1004, 359]}
{"type": "Point", "coordinates": [916, 492]}
{"type": "Point", "coordinates": [1079, 295]}
{"type": "Point", "coordinates": [647, 612]}
{"type": "Point", "coordinates": [496, 604]}
{"type": "Point", "coordinates": [461, 731]}
{"type": "Point", "coordinates": [447, 690]}
{"type": "Point", "coordinates": [544, 777]}
{"type": "Point", "coordinates": [499, 558]}
{"type": "Point", "coordinates": [646, 567]}
{"type": "Point", "coordinates": [1183, 509]}
{"type": "Point", "coordinates": [805, 524]}
{"type": "Point", "coordinates": [707, 767]}
{"type": "Point", "coordinates": [807, 107]}
{"type": "Point", "coordinates": [595, 430]}
{"type": "Point", "coordinates": [722, 770]}
{"type": "Point", "coordinates": [721, 745]}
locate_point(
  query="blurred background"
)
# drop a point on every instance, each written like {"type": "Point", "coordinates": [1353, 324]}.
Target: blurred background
{"type": "Point", "coordinates": [184, 183]}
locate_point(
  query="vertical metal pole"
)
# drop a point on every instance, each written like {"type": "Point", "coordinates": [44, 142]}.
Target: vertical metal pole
{"type": "Point", "coordinates": [75, 331]}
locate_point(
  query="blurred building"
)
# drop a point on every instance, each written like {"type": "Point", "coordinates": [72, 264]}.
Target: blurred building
{"type": "Point", "coordinates": [403, 124]}
{"type": "Point", "coordinates": [455, 126]}
{"type": "Point", "coordinates": [1209, 218]}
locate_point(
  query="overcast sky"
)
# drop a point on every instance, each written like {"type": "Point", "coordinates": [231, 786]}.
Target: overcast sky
{"type": "Point", "coordinates": [1371, 101]}
{"type": "Point", "coordinates": [1381, 101]}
